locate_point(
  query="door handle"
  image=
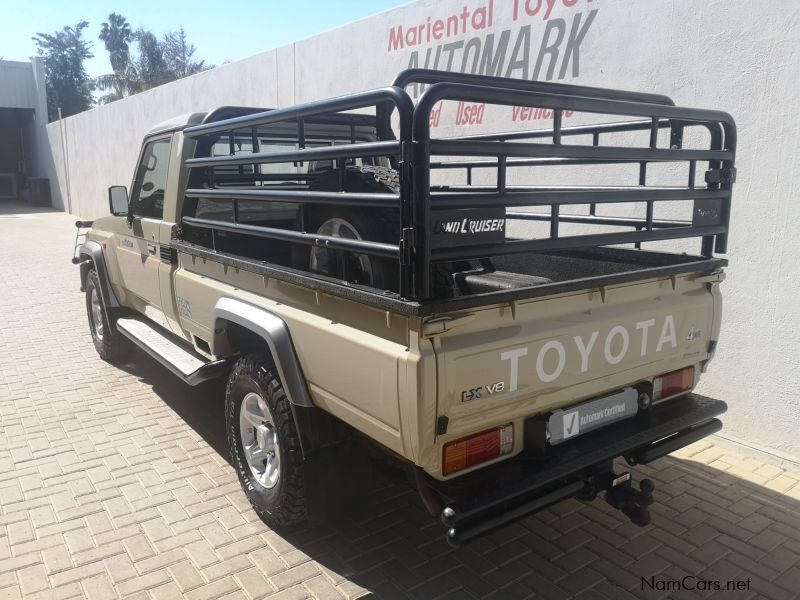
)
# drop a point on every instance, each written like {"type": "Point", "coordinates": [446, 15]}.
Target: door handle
{"type": "Point", "coordinates": [151, 248]}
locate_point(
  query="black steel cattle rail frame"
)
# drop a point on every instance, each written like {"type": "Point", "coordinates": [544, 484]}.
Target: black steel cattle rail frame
{"type": "Point", "coordinates": [420, 203]}
{"type": "Point", "coordinates": [318, 112]}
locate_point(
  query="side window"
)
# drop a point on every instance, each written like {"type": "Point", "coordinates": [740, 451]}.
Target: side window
{"type": "Point", "coordinates": [147, 199]}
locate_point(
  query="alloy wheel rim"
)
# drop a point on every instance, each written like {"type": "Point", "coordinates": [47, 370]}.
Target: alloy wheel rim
{"type": "Point", "coordinates": [97, 314]}
{"type": "Point", "coordinates": [260, 440]}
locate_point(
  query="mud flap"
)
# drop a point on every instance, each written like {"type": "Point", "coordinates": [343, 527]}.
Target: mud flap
{"type": "Point", "coordinates": [338, 479]}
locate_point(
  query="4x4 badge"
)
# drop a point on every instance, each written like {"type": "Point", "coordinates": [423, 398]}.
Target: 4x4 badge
{"type": "Point", "coordinates": [694, 334]}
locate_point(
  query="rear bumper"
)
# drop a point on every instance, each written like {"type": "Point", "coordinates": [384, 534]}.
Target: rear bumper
{"type": "Point", "coordinates": [532, 481]}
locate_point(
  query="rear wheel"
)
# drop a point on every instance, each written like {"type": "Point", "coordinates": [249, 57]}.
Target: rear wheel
{"type": "Point", "coordinates": [264, 442]}
{"type": "Point", "coordinates": [111, 345]}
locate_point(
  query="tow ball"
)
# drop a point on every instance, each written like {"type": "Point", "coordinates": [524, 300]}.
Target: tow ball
{"type": "Point", "coordinates": [621, 494]}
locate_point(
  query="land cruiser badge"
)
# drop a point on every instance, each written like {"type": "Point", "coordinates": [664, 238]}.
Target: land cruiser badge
{"type": "Point", "coordinates": [466, 227]}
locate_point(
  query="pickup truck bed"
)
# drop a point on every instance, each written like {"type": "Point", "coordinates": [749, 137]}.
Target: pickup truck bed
{"type": "Point", "coordinates": [556, 273]}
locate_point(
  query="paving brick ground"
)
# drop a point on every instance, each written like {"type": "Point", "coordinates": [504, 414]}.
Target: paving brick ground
{"type": "Point", "coordinates": [114, 482]}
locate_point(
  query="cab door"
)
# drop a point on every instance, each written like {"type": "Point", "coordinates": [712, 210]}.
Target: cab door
{"type": "Point", "coordinates": [138, 250]}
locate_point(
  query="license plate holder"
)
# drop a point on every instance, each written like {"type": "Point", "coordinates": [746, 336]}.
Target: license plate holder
{"type": "Point", "coordinates": [565, 424]}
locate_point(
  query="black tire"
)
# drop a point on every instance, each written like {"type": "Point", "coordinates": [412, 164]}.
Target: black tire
{"type": "Point", "coordinates": [369, 224]}
{"type": "Point", "coordinates": [284, 503]}
{"type": "Point", "coordinates": [111, 345]}
{"type": "Point", "coordinates": [380, 273]}
{"type": "Point", "coordinates": [363, 179]}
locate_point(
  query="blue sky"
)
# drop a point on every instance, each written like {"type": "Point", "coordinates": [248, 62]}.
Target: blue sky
{"type": "Point", "coordinates": [223, 30]}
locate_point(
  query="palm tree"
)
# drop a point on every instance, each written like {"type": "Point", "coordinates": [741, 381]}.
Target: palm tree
{"type": "Point", "coordinates": [116, 34]}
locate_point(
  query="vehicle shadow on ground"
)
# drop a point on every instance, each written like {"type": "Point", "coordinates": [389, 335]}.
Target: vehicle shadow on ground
{"type": "Point", "coordinates": [201, 407]}
{"type": "Point", "coordinates": [707, 524]}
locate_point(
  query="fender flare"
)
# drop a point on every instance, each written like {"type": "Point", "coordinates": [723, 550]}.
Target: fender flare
{"type": "Point", "coordinates": [273, 330]}
{"type": "Point", "coordinates": [91, 251]}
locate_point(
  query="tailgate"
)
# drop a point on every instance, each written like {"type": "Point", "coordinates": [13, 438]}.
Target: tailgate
{"type": "Point", "coordinates": [507, 362]}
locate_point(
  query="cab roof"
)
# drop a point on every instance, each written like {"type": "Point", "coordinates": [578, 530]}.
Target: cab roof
{"type": "Point", "coordinates": [177, 123]}
{"type": "Point", "coordinates": [196, 118]}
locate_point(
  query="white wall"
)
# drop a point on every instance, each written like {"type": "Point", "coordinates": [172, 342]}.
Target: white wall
{"type": "Point", "coordinates": [17, 85]}
{"type": "Point", "coordinates": [103, 143]}
{"type": "Point", "coordinates": [22, 86]}
{"type": "Point", "coordinates": [741, 57]}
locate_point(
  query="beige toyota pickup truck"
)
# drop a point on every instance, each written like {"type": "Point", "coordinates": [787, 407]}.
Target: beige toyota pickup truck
{"type": "Point", "coordinates": [504, 314]}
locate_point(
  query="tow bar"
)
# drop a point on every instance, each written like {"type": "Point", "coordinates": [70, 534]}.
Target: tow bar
{"type": "Point", "coordinates": [582, 468]}
{"type": "Point", "coordinates": [621, 494]}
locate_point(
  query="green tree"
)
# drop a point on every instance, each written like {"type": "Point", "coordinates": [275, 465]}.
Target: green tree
{"type": "Point", "coordinates": [116, 34]}
{"type": "Point", "coordinates": [68, 85]}
{"type": "Point", "coordinates": [152, 62]}
{"type": "Point", "coordinates": [179, 55]}
{"type": "Point", "coordinates": [151, 68]}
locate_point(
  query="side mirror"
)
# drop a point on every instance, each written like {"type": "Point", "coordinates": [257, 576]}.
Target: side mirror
{"type": "Point", "coordinates": [118, 200]}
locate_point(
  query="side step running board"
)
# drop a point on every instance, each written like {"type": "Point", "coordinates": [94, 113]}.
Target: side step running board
{"type": "Point", "coordinates": [183, 362]}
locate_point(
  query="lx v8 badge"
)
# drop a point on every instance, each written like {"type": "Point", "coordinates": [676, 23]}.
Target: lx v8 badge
{"type": "Point", "coordinates": [475, 393]}
{"type": "Point", "coordinates": [472, 394]}
{"type": "Point", "coordinates": [496, 388]}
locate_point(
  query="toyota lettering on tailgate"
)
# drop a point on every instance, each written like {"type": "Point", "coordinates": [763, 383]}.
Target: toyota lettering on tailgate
{"type": "Point", "coordinates": [618, 342]}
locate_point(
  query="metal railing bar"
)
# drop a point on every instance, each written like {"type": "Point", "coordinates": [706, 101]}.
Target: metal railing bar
{"type": "Point", "coordinates": [333, 118]}
{"type": "Point", "coordinates": [595, 220]}
{"type": "Point", "coordinates": [593, 130]}
{"type": "Point", "coordinates": [431, 76]}
{"type": "Point", "coordinates": [511, 97]}
{"type": "Point", "coordinates": [501, 175]}
{"type": "Point", "coordinates": [381, 200]}
{"type": "Point", "coordinates": [577, 241]}
{"type": "Point", "coordinates": [287, 235]}
{"type": "Point", "coordinates": [535, 188]}
{"type": "Point", "coordinates": [369, 149]}
{"type": "Point", "coordinates": [654, 125]}
{"type": "Point", "coordinates": [333, 105]}
{"type": "Point", "coordinates": [234, 178]}
{"type": "Point", "coordinates": [444, 201]}
{"type": "Point", "coordinates": [472, 148]}
{"type": "Point", "coordinates": [529, 162]}
{"type": "Point", "coordinates": [557, 117]}
{"type": "Point", "coordinates": [554, 212]}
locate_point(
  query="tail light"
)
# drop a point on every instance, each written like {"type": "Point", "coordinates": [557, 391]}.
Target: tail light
{"type": "Point", "coordinates": [673, 383]}
{"type": "Point", "coordinates": [476, 449]}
